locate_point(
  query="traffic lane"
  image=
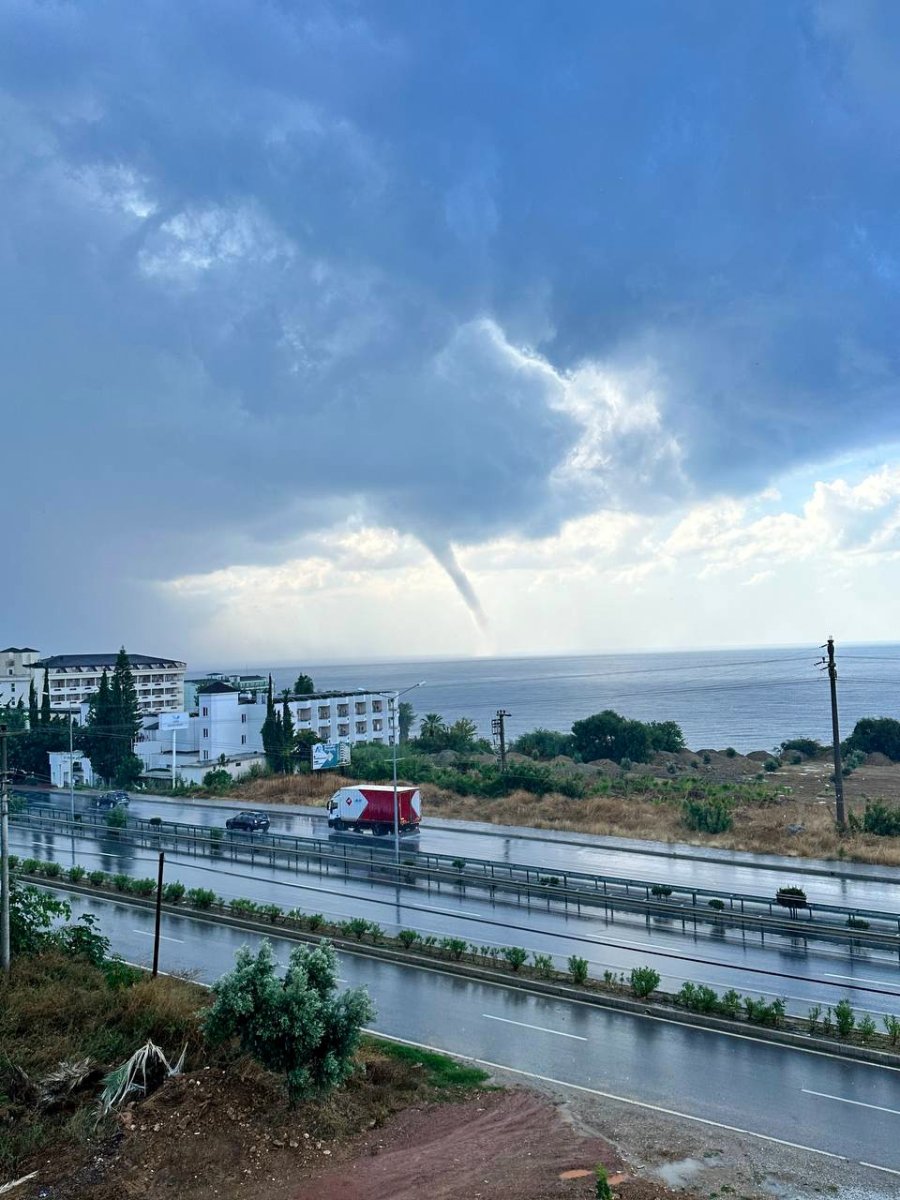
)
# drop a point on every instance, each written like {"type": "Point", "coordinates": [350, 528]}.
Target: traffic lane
{"type": "Point", "coordinates": [535, 851]}
{"type": "Point", "coordinates": [796, 1096]}
{"type": "Point", "coordinates": [609, 944]}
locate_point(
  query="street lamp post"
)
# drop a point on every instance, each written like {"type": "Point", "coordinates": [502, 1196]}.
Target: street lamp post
{"type": "Point", "coordinates": [395, 736]}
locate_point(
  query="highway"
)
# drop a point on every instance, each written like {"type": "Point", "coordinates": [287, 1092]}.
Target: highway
{"type": "Point", "coordinates": [803, 972]}
{"type": "Point", "coordinates": [848, 883]}
{"type": "Point", "coordinates": [790, 1096]}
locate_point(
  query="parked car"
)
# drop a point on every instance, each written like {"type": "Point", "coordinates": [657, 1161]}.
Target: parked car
{"type": "Point", "coordinates": [248, 822]}
{"type": "Point", "coordinates": [112, 800]}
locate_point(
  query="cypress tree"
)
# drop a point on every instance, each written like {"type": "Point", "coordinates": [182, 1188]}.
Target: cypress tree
{"type": "Point", "coordinates": [33, 711]}
{"type": "Point", "coordinates": [45, 699]}
{"type": "Point", "coordinates": [271, 733]}
{"type": "Point", "coordinates": [96, 740]}
{"type": "Point", "coordinates": [125, 720]}
{"type": "Point", "coordinates": [287, 737]}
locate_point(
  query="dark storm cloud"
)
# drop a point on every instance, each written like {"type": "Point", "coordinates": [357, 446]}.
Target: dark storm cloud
{"type": "Point", "coordinates": [266, 263]}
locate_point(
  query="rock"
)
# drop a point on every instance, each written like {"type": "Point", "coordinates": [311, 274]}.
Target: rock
{"type": "Point", "coordinates": [797, 828]}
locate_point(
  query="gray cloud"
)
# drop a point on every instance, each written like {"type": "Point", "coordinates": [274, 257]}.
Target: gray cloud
{"type": "Point", "coordinates": [264, 267]}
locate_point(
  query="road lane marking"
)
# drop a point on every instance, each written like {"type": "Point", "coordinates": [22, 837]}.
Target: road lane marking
{"type": "Point", "coordinates": [855, 978]}
{"type": "Point", "coordinates": [858, 1103]}
{"type": "Point", "coordinates": [669, 1112]}
{"type": "Point", "coordinates": [144, 933]}
{"type": "Point", "coordinates": [540, 1028]}
{"type": "Point", "coordinates": [506, 987]}
{"type": "Point", "coordinates": [875, 1167]}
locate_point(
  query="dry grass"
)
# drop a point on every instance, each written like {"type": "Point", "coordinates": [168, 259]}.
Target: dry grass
{"type": "Point", "coordinates": [796, 795]}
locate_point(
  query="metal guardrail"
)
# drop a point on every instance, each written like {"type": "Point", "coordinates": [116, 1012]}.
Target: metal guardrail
{"type": "Point", "coordinates": [350, 854]}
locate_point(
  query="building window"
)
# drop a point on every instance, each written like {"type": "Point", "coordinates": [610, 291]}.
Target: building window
{"type": "Point", "coordinates": [377, 705]}
{"type": "Point", "coordinates": [243, 739]}
{"type": "Point", "coordinates": [378, 741]}
{"type": "Point", "coordinates": [360, 708]}
{"type": "Point", "coordinates": [205, 712]}
{"type": "Point", "coordinates": [206, 756]}
{"type": "Point", "coordinates": [305, 714]}
{"type": "Point", "coordinates": [343, 710]}
{"type": "Point", "coordinates": [324, 712]}
{"type": "Point", "coordinates": [206, 733]}
{"type": "Point", "coordinates": [360, 727]}
{"type": "Point", "coordinates": [243, 718]}
{"type": "Point", "coordinates": [377, 725]}
{"type": "Point", "coordinates": [343, 730]}
{"type": "Point", "coordinates": [325, 732]}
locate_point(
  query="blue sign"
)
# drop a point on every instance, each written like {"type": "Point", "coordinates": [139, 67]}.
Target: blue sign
{"type": "Point", "coordinates": [329, 754]}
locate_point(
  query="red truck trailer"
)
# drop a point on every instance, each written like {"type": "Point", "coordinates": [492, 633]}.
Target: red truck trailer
{"type": "Point", "coordinates": [371, 806]}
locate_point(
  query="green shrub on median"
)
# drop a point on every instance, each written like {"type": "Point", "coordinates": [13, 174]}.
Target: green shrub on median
{"type": "Point", "coordinates": [201, 898]}
{"type": "Point", "coordinates": [578, 968]}
{"type": "Point", "coordinates": [644, 981]}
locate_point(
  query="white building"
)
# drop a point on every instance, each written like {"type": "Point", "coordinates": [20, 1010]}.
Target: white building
{"type": "Point", "coordinates": [75, 677]}
{"type": "Point", "coordinates": [227, 725]}
{"type": "Point", "coordinates": [16, 673]}
{"type": "Point", "coordinates": [62, 764]}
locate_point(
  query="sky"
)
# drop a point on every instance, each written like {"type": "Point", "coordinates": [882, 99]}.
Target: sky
{"type": "Point", "coordinates": [429, 327]}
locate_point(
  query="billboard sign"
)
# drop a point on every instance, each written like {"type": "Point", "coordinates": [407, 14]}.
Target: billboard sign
{"type": "Point", "coordinates": [174, 720]}
{"type": "Point", "coordinates": [330, 754]}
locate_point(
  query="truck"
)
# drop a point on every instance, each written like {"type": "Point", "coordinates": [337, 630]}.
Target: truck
{"type": "Point", "coordinates": [371, 806]}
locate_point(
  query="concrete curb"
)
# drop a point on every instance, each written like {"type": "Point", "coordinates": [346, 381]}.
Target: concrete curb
{"type": "Point", "coordinates": [561, 991]}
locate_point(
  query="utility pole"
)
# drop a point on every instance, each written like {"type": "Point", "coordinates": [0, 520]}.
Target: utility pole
{"type": "Point", "coordinates": [4, 855]}
{"type": "Point", "coordinates": [159, 892]}
{"type": "Point", "coordinates": [840, 814]}
{"type": "Point", "coordinates": [498, 728]}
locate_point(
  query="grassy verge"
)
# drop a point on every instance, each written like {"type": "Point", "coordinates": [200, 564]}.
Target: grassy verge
{"type": "Point", "coordinates": [441, 1072]}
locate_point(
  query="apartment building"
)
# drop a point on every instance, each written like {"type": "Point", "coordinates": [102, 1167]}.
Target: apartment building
{"type": "Point", "coordinates": [74, 678]}
{"type": "Point", "coordinates": [16, 674]}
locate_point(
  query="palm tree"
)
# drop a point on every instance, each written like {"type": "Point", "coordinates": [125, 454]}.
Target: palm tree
{"type": "Point", "coordinates": [432, 728]}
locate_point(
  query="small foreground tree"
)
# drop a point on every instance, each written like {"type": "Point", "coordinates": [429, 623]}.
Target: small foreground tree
{"type": "Point", "coordinates": [297, 1025]}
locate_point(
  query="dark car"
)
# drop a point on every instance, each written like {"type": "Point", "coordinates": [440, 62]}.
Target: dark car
{"type": "Point", "coordinates": [112, 800]}
{"type": "Point", "coordinates": [248, 822]}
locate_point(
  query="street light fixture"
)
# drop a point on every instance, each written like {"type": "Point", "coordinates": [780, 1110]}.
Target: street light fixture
{"type": "Point", "coordinates": [395, 734]}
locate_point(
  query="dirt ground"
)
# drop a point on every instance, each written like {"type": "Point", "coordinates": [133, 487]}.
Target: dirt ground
{"type": "Point", "coordinates": [228, 1135]}
{"type": "Point", "coordinates": [794, 814]}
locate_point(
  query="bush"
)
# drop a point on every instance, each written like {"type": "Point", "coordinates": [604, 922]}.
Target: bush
{"type": "Point", "coordinates": [201, 897]}
{"type": "Point", "coordinates": [97, 878]}
{"type": "Point", "coordinates": [75, 874]}
{"type": "Point", "coordinates": [892, 1029]}
{"type": "Point", "coordinates": [296, 1026]}
{"type": "Point", "coordinates": [578, 969]}
{"type": "Point", "coordinates": [661, 890]}
{"type": "Point", "coordinates": [717, 905]}
{"type": "Point", "coordinates": [173, 892]}
{"type": "Point", "coordinates": [241, 906]}
{"type": "Point", "coordinates": [730, 752]}
{"type": "Point", "coordinates": [314, 921]}
{"type": "Point", "coordinates": [515, 956]}
{"type": "Point", "coordinates": [761, 1013]}
{"type": "Point", "coordinates": [881, 820]}
{"type": "Point", "coordinates": [697, 997]}
{"type": "Point", "coordinates": [543, 965]}
{"type": "Point", "coordinates": [155, 822]}
{"type": "Point", "coordinates": [602, 1190]}
{"type": "Point", "coordinates": [218, 781]}
{"type": "Point", "coordinates": [31, 866]}
{"type": "Point", "coordinates": [875, 735]}
{"type": "Point", "coordinates": [407, 938]}
{"type": "Point", "coordinates": [356, 927]}
{"type": "Point", "coordinates": [707, 816]}
{"type": "Point", "coordinates": [52, 870]}
{"type": "Point", "coordinates": [455, 947]}
{"type": "Point", "coordinates": [272, 911]}
{"type": "Point", "coordinates": [122, 883]}
{"type": "Point", "coordinates": [644, 980]}
{"type": "Point", "coordinates": [857, 923]}
{"type": "Point", "coordinates": [808, 747]}
{"type": "Point", "coordinates": [730, 1003]}
{"type": "Point", "coordinates": [866, 1028]}
{"type": "Point", "coordinates": [771, 764]}
{"type": "Point", "coordinates": [116, 818]}
{"type": "Point", "coordinates": [791, 897]}
{"type": "Point", "coordinates": [544, 743]}
{"type": "Point", "coordinates": [142, 887]}
{"type": "Point", "coordinates": [844, 1018]}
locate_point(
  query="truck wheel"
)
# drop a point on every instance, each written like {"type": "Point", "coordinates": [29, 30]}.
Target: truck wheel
{"type": "Point", "coordinates": [381, 830]}
{"type": "Point", "coordinates": [338, 826]}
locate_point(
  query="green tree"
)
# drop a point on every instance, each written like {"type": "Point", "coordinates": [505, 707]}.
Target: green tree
{"type": "Point", "coordinates": [462, 734]}
{"type": "Point", "coordinates": [298, 1025]}
{"type": "Point", "coordinates": [45, 700]}
{"type": "Point", "coordinates": [405, 718]}
{"type": "Point", "coordinates": [33, 710]}
{"type": "Point", "coordinates": [113, 724]}
{"type": "Point", "coordinates": [433, 732]}
{"type": "Point", "coordinates": [304, 740]}
{"type": "Point", "coordinates": [609, 735]}
{"type": "Point", "coordinates": [288, 735]}
{"type": "Point", "coordinates": [304, 686]}
{"type": "Point", "coordinates": [876, 735]}
{"type": "Point", "coordinates": [271, 732]}
{"type": "Point", "coordinates": [544, 743]}
{"type": "Point", "coordinates": [665, 735]}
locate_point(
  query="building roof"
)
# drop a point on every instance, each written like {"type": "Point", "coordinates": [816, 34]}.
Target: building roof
{"type": "Point", "coordinates": [19, 650]}
{"type": "Point", "coordinates": [216, 685]}
{"type": "Point", "coordinates": [64, 662]}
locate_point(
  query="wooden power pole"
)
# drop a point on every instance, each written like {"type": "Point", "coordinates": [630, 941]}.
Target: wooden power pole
{"type": "Point", "coordinates": [840, 812]}
{"type": "Point", "coordinates": [498, 728]}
